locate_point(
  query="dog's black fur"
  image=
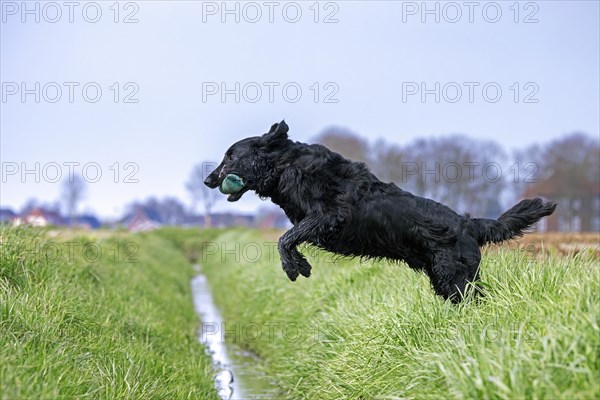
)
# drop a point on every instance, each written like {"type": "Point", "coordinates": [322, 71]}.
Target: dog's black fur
{"type": "Point", "coordinates": [340, 206]}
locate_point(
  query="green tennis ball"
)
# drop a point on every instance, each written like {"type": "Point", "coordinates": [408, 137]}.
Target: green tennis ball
{"type": "Point", "coordinates": [231, 184]}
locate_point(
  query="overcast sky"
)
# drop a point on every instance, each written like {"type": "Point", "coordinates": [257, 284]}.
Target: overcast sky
{"type": "Point", "coordinates": [182, 80]}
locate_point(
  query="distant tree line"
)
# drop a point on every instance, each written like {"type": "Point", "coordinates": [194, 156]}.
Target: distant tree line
{"type": "Point", "coordinates": [472, 175]}
{"type": "Point", "coordinates": [469, 175]}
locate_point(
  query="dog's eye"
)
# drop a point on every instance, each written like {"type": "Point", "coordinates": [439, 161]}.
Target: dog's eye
{"type": "Point", "coordinates": [230, 157]}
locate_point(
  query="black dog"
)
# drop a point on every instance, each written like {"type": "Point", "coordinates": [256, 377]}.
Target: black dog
{"type": "Point", "coordinates": [340, 206]}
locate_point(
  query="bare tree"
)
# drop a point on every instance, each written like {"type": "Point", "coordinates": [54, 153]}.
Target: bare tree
{"type": "Point", "coordinates": [565, 170]}
{"type": "Point", "coordinates": [168, 211]}
{"type": "Point", "coordinates": [172, 211]}
{"type": "Point", "coordinates": [574, 158]}
{"type": "Point", "coordinates": [73, 191]}
{"type": "Point", "coordinates": [345, 142]}
{"type": "Point", "coordinates": [200, 192]}
{"type": "Point", "coordinates": [571, 163]}
{"type": "Point", "coordinates": [461, 172]}
{"type": "Point", "coordinates": [387, 161]}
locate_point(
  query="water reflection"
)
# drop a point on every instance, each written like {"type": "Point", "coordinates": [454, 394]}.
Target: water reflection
{"type": "Point", "coordinates": [238, 376]}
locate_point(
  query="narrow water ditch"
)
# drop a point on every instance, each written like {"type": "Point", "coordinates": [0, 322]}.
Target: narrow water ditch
{"type": "Point", "coordinates": [237, 374]}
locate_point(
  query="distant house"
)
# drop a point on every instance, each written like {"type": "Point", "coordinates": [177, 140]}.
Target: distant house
{"type": "Point", "coordinates": [191, 220]}
{"type": "Point", "coordinates": [40, 217]}
{"type": "Point", "coordinates": [6, 215]}
{"type": "Point", "coordinates": [141, 220]}
{"type": "Point", "coordinates": [87, 222]}
{"type": "Point", "coordinates": [578, 202]}
{"type": "Point", "coordinates": [273, 219]}
{"type": "Point", "coordinates": [227, 219]}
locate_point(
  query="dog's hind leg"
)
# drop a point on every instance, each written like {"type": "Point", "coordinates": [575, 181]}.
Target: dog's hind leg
{"type": "Point", "coordinates": [451, 273]}
{"type": "Point", "coordinates": [460, 282]}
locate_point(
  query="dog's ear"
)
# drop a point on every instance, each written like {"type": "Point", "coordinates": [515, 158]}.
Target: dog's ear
{"type": "Point", "coordinates": [277, 134]}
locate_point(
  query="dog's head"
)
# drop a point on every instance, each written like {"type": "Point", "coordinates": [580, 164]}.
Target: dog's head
{"type": "Point", "coordinates": [255, 160]}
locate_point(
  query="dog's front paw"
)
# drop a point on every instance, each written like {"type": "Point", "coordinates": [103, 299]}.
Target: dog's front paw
{"type": "Point", "coordinates": [291, 271]}
{"type": "Point", "coordinates": [304, 267]}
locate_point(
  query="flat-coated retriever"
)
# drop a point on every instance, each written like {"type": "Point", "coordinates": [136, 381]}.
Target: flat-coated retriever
{"type": "Point", "coordinates": [340, 206]}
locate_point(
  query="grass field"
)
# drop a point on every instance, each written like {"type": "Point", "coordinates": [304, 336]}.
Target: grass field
{"type": "Point", "coordinates": [375, 330]}
{"type": "Point", "coordinates": [105, 317]}
{"type": "Point", "coordinates": [111, 316]}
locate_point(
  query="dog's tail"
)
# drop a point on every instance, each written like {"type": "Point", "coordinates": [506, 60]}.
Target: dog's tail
{"type": "Point", "coordinates": [513, 222]}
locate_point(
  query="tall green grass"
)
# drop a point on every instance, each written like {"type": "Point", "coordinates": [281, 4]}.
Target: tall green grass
{"type": "Point", "coordinates": [95, 318]}
{"type": "Point", "coordinates": [376, 330]}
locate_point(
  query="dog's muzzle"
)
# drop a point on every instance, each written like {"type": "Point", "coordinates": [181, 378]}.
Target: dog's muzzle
{"type": "Point", "coordinates": [212, 181]}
